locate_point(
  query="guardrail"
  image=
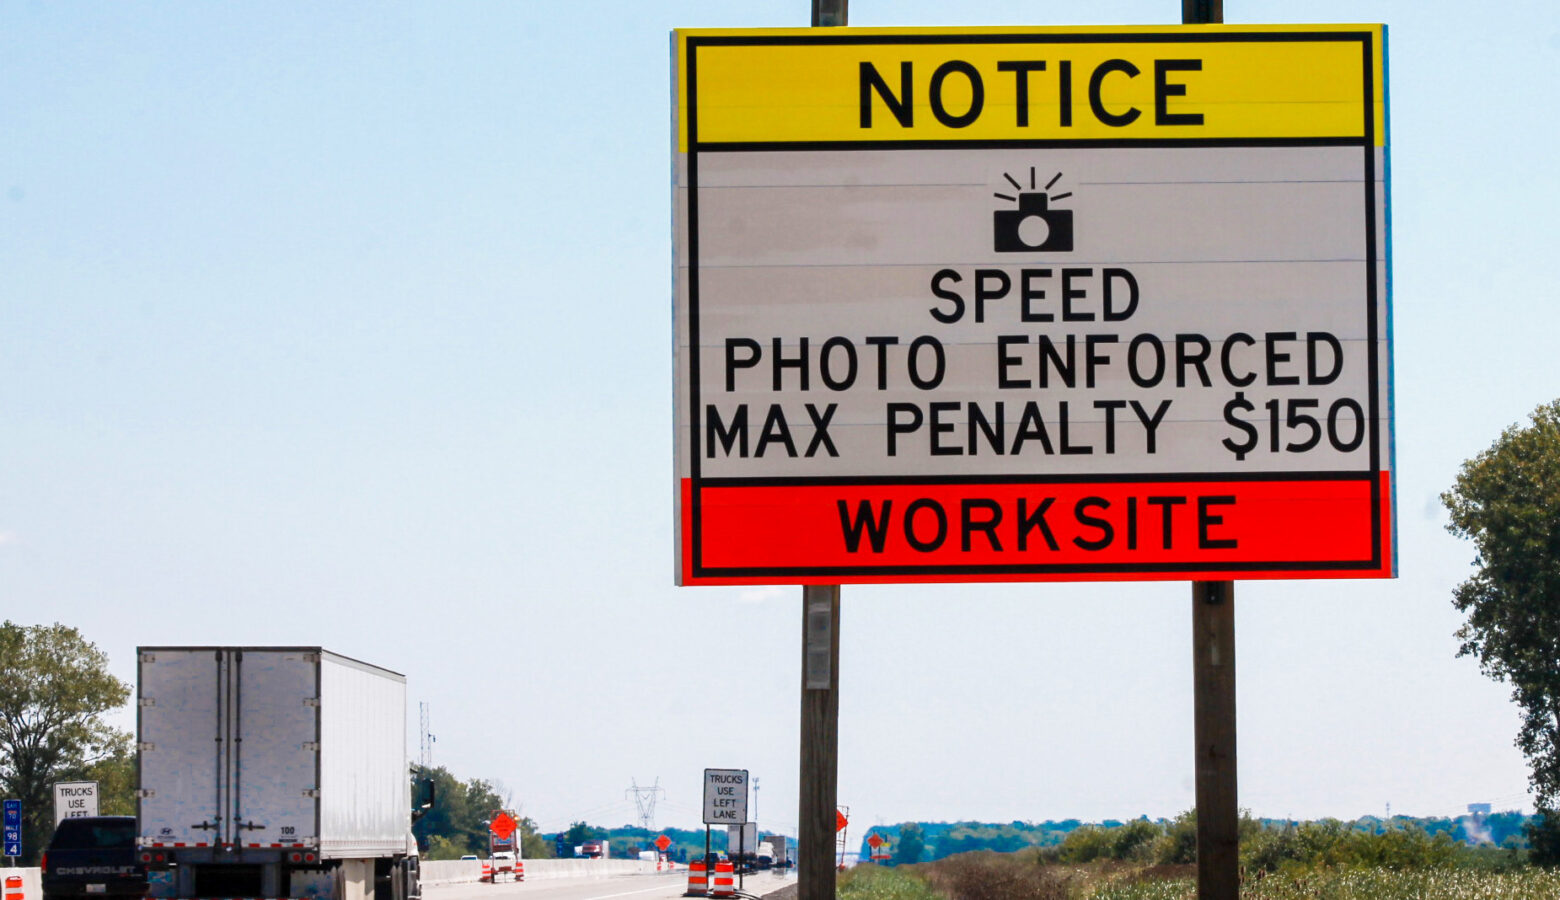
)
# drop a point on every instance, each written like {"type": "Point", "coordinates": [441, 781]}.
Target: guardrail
{"type": "Point", "coordinates": [434, 872]}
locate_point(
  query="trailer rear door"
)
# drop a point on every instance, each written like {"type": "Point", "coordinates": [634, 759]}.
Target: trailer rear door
{"type": "Point", "coordinates": [276, 748]}
{"type": "Point", "coordinates": [182, 746]}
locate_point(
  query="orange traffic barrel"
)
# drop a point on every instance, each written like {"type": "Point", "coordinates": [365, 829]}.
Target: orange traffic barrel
{"type": "Point", "coordinates": [519, 870]}
{"type": "Point", "coordinates": [13, 887]}
{"type": "Point", "coordinates": [698, 880]}
{"type": "Point", "coordinates": [725, 880]}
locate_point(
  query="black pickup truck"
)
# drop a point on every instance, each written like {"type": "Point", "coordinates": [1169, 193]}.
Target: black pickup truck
{"type": "Point", "coordinates": [91, 856]}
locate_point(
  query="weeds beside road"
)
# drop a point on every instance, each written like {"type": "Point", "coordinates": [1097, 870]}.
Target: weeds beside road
{"type": "Point", "coordinates": [1366, 884]}
{"type": "Point", "coordinates": [992, 876]}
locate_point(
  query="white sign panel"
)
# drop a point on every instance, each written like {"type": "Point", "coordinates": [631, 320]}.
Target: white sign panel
{"type": "Point", "coordinates": [725, 796]}
{"type": "Point", "coordinates": [75, 799]}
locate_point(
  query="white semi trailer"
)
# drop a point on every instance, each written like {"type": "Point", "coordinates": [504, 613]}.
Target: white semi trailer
{"type": "Point", "coordinates": [273, 772]}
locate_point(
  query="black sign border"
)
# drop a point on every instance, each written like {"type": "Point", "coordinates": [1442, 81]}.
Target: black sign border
{"type": "Point", "coordinates": [693, 543]}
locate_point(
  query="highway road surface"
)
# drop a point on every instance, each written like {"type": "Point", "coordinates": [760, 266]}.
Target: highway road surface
{"type": "Point", "coordinates": [615, 887]}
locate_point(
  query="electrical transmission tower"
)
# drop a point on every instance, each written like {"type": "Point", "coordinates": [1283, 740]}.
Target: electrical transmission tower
{"type": "Point", "coordinates": [644, 798]}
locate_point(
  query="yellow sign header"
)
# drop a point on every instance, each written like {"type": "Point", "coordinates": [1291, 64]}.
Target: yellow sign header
{"type": "Point", "coordinates": [880, 85]}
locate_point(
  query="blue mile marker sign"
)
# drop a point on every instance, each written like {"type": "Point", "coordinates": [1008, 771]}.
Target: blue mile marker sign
{"type": "Point", "coordinates": [13, 828]}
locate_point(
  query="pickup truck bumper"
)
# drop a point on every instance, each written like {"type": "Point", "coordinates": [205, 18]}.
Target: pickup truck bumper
{"type": "Point", "coordinates": [108, 887]}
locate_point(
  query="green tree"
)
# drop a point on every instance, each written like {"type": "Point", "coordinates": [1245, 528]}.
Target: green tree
{"type": "Point", "coordinates": [533, 844]}
{"type": "Point", "coordinates": [460, 814]}
{"type": "Point", "coordinates": [116, 777]}
{"type": "Point", "coordinates": [1543, 834]}
{"type": "Point", "coordinates": [54, 688]}
{"type": "Point", "coordinates": [444, 820]}
{"type": "Point", "coordinates": [580, 832]}
{"type": "Point", "coordinates": [911, 846]}
{"type": "Point", "coordinates": [440, 847]}
{"type": "Point", "coordinates": [1507, 501]}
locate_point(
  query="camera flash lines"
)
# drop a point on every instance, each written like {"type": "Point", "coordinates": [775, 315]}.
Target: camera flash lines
{"type": "Point", "coordinates": [1018, 187]}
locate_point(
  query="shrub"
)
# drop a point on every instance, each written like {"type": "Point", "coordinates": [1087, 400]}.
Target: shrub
{"type": "Point", "coordinates": [985, 875]}
{"type": "Point", "coordinates": [1177, 846]}
{"type": "Point", "coordinates": [1331, 844]}
{"type": "Point", "coordinates": [1135, 840]}
{"type": "Point", "coordinates": [1267, 849]}
{"type": "Point", "coordinates": [1401, 848]}
{"type": "Point", "coordinates": [1489, 858]}
{"type": "Point", "coordinates": [869, 882]}
{"type": "Point", "coordinates": [1086, 844]}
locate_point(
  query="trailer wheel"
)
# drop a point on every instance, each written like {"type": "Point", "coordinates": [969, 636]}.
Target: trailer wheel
{"type": "Point", "coordinates": [398, 879]}
{"type": "Point", "coordinates": [411, 874]}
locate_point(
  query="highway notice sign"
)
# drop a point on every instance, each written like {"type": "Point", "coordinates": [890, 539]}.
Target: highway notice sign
{"type": "Point", "coordinates": [75, 799]}
{"type": "Point", "coordinates": [503, 825]}
{"type": "Point", "coordinates": [1009, 304]}
{"type": "Point", "coordinates": [725, 796]}
{"type": "Point", "coordinates": [11, 829]}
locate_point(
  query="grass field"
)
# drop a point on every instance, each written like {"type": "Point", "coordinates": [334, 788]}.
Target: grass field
{"type": "Point", "coordinates": [1368, 884]}
{"type": "Point", "coordinates": [1006, 877]}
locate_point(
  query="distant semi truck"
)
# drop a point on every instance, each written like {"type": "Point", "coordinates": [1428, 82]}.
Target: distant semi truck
{"type": "Point", "coordinates": [273, 772]}
{"type": "Point", "coordinates": [742, 846]}
{"type": "Point", "coordinates": [779, 849]}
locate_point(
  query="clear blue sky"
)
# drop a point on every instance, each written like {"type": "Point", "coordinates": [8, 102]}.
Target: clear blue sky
{"type": "Point", "coordinates": [349, 324]}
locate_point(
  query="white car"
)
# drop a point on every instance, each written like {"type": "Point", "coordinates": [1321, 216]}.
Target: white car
{"type": "Point", "coordinates": [469, 857]}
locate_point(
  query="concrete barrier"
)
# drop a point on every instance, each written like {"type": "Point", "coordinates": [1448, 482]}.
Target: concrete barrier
{"type": "Point", "coordinates": [450, 871]}
{"type": "Point", "coordinates": [454, 871]}
{"type": "Point", "coordinates": [588, 868]}
{"type": "Point", "coordinates": [29, 888]}
{"type": "Point", "coordinates": [442, 871]}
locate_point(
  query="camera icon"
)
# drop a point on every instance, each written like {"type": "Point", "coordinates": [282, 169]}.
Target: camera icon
{"type": "Point", "coordinates": [1034, 226]}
